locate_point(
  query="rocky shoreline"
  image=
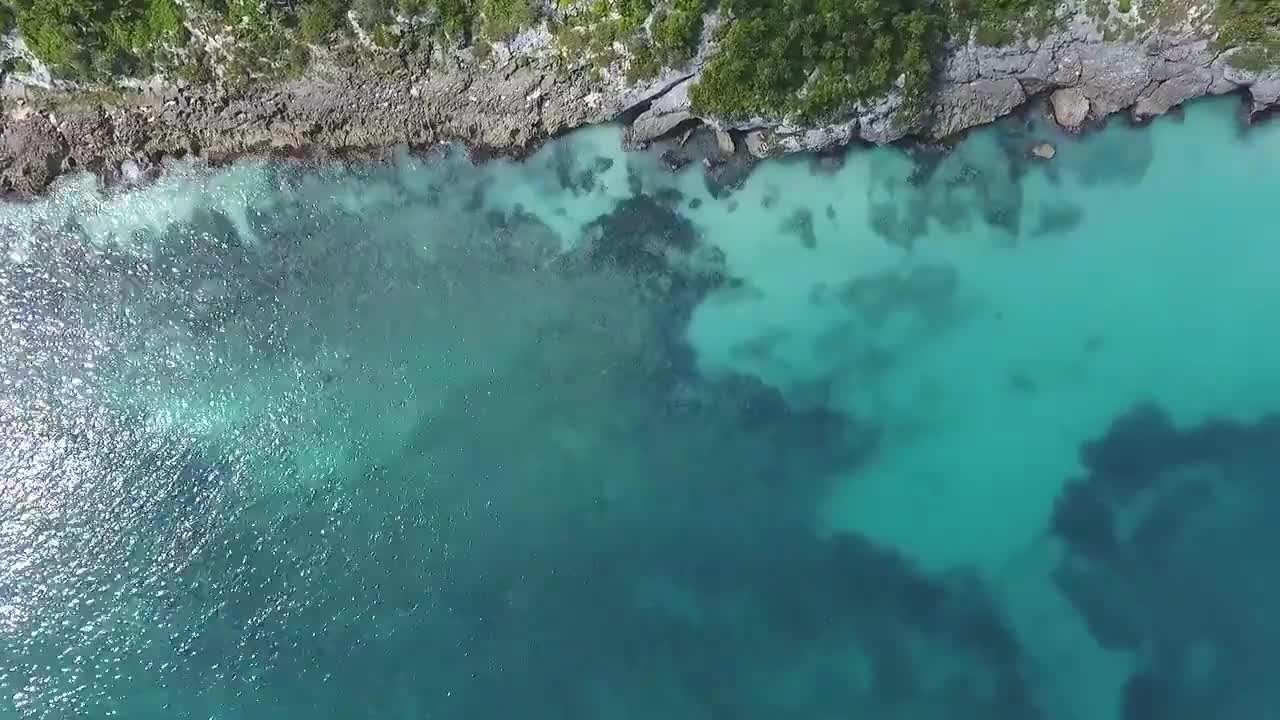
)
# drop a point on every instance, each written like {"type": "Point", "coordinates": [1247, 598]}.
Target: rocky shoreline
{"type": "Point", "coordinates": [519, 98]}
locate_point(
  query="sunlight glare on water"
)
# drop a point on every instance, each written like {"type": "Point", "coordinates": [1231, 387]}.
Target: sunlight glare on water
{"type": "Point", "coordinates": [896, 435]}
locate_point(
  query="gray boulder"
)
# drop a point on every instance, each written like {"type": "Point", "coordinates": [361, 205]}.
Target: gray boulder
{"type": "Point", "coordinates": [1070, 107]}
{"type": "Point", "coordinates": [31, 155]}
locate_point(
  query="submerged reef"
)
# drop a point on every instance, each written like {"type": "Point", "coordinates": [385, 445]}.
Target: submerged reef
{"type": "Point", "coordinates": [578, 436]}
{"type": "Point", "coordinates": [1167, 539]}
{"type": "Point", "coordinates": [469, 465]}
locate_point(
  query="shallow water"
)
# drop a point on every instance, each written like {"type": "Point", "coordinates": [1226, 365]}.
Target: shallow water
{"type": "Point", "coordinates": [896, 436]}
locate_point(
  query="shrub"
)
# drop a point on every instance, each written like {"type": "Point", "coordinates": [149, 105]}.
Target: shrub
{"type": "Point", "coordinates": [95, 38]}
{"type": "Point", "coordinates": [297, 60]}
{"type": "Point", "coordinates": [992, 34]}
{"type": "Point", "coordinates": [633, 13]}
{"type": "Point", "coordinates": [814, 57]}
{"type": "Point", "coordinates": [318, 19]}
{"type": "Point", "coordinates": [383, 37]}
{"type": "Point", "coordinates": [1253, 25]}
{"type": "Point", "coordinates": [504, 18]}
{"type": "Point", "coordinates": [372, 13]}
{"type": "Point", "coordinates": [194, 68]}
{"type": "Point", "coordinates": [644, 64]}
{"type": "Point", "coordinates": [455, 19]}
{"type": "Point", "coordinates": [163, 20]}
{"type": "Point", "coordinates": [999, 22]}
{"type": "Point", "coordinates": [676, 31]}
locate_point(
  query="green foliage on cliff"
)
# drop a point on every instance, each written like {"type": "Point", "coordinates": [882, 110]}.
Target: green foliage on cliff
{"type": "Point", "coordinates": [807, 58]}
{"type": "Point", "coordinates": [1000, 22]}
{"type": "Point", "coordinates": [504, 18]}
{"type": "Point", "coordinates": [461, 21]}
{"type": "Point", "coordinates": [676, 31]}
{"type": "Point", "coordinates": [454, 18]}
{"type": "Point", "coordinates": [1253, 25]}
{"type": "Point", "coordinates": [814, 57]}
{"type": "Point", "coordinates": [98, 38]}
{"type": "Point", "coordinates": [320, 19]}
{"type": "Point", "coordinates": [263, 48]}
{"type": "Point", "coordinates": [593, 31]}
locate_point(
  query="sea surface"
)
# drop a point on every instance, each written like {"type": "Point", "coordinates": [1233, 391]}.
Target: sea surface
{"type": "Point", "coordinates": [891, 435]}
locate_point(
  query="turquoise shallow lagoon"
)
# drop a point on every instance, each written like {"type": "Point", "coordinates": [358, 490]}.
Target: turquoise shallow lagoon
{"type": "Point", "coordinates": [893, 436]}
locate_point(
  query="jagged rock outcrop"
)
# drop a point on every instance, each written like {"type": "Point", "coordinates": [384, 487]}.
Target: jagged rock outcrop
{"type": "Point", "coordinates": [663, 115]}
{"type": "Point", "coordinates": [964, 105]}
{"type": "Point", "coordinates": [31, 154]}
{"type": "Point", "coordinates": [1087, 76]}
{"type": "Point", "coordinates": [522, 97]}
{"type": "Point", "coordinates": [508, 108]}
{"type": "Point", "coordinates": [1070, 107]}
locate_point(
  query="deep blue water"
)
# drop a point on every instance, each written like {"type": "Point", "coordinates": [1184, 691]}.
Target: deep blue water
{"type": "Point", "coordinates": [893, 435]}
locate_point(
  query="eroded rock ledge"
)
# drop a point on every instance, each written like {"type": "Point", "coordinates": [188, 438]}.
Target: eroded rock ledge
{"type": "Point", "coordinates": [513, 103]}
{"type": "Point", "coordinates": [1086, 77]}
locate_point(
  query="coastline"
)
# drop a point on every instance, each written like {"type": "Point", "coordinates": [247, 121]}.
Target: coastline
{"type": "Point", "coordinates": [510, 105]}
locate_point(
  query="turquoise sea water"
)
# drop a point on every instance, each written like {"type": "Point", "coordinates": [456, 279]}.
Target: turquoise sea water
{"type": "Point", "coordinates": [902, 436]}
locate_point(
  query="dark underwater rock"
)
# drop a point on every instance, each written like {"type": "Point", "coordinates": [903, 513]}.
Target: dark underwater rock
{"type": "Point", "coordinates": [800, 224]}
{"type": "Point", "coordinates": [1165, 541]}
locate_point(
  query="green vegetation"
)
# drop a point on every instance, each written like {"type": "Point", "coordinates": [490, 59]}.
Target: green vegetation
{"type": "Point", "coordinates": [382, 37]}
{"type": "Point", "coordinates": [676, 31]}
{"type": "Point", "coordinates": [813, 57]}
{"type": "Point", "coordinates": [15, 64]}
{"type": "Point", "coordinates": [455, 19]}
{"type": "Point", "coordinates": [263, 49]}
{"type": "Point", "coordinates": [460, 21]}
{"type": "Point", "coordinates": [1000, 22]}
{"type": "Point", "coordinates": [1254, 26]}
{"type": "Point", "coordinates": [504, 18]}
{"type": "Point", "coordinates": [98, 40]}
{"type": "Point", "coordinates": [93, 39]}
{"type": "Point", "coordinates": [806, 58]}
{"type": "Point", "coordinates": [593, 32]}
{"type": "Point", "coordinates": [372, 13]}
{"type": "Point", "coordinates": [318, 20]}
{"type": "Point", "coordinates": [644, 62]}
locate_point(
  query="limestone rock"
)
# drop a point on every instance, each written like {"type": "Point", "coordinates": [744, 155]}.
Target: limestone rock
{"type": "Point", "coordinates": [1113, 77]}
{"type": "Point", "coordinates": [976, 103]}
{"type": "Point", "coordinates": [510, 108]}
{"type": "Point", "coordinates": [1265, 94]}
{"type": "Point", "coordinates": [1044, 151]}
{"type": "Point", "coordinates": [961, 66]}
{"type": "Point", "coordinates": [650, 127]}
{"type": "Point", "coordinates": [756, 144]}
{"type": "Point", "coordinates": [1173, 92]}
{"type": "Point", "coordinates": [800, 139]}
{"type": "Point", "coordinates": [31, 155]}
{"type": "Point", "coordinates": [882, 121]}
{"type": "Point", "coordinates": [1070, 107]}
{"type": "Point", "coordinates": [724, 142]}
{"type": "Point", "coordinates": [663, 115]}
{"type": "Point", "coordinates": [1263, 86]}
